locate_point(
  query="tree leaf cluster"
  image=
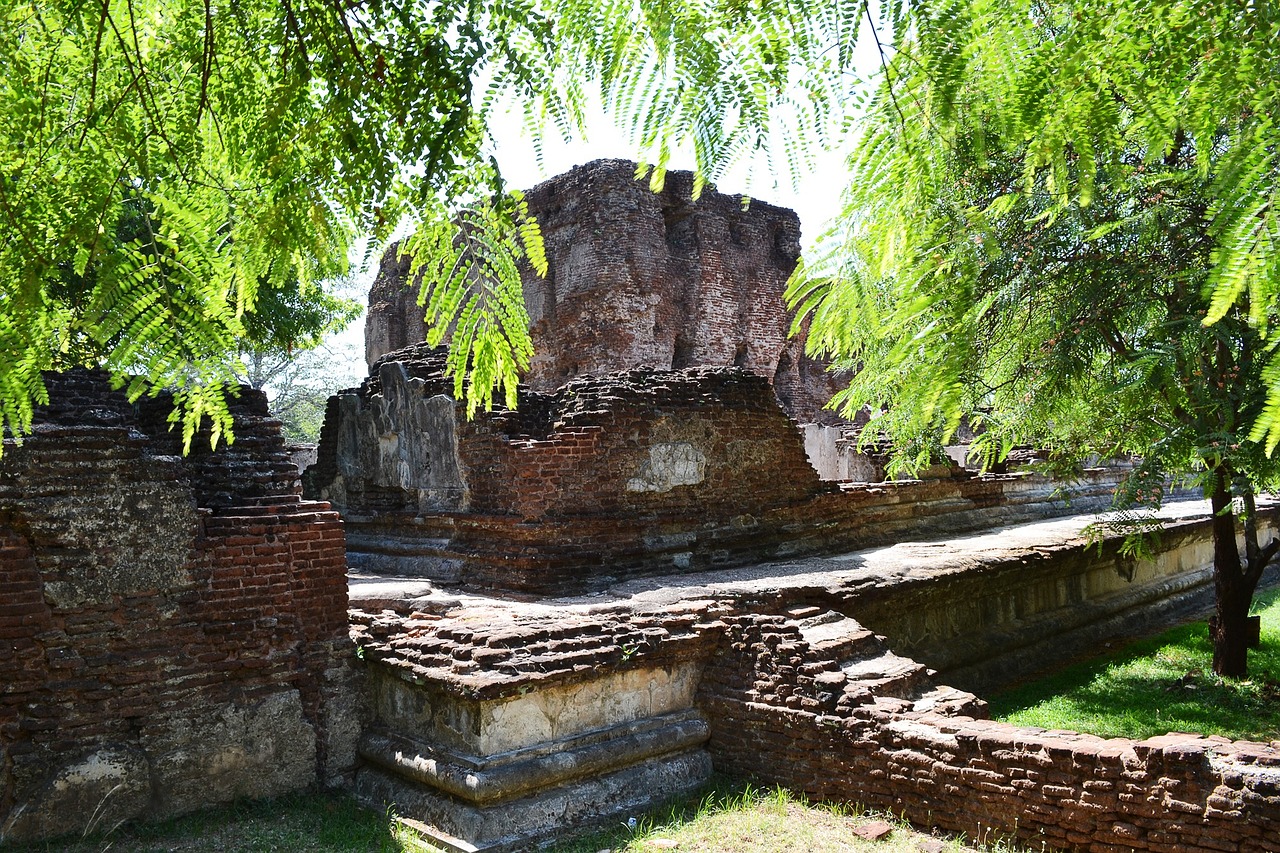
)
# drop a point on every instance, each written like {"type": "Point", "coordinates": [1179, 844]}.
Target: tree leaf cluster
{"type": "Point", "coordinates": [1118, 149]}
{"type": "Point", "coordinates": [1060, 234]}
{"type": "Point", "coordinates": [170, 169]}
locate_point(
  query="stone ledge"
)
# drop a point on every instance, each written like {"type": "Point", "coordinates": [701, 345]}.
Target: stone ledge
{"type": "Point", "coordinates": [487, 780]}
{"type": "Point", "coordinates": [521, 823]}
{"type": "Point", "coordinates": [499, 650]}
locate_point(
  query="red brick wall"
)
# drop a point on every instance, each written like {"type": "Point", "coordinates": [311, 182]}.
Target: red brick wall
{"type": "Point", "coordinates": [601, 438]}
{"type": "Point", "coordinates": [772, 718]}
{"type": "Point", "coordinates": [198, 654]}
{"type": "Point", "coordinates": [544, 499]}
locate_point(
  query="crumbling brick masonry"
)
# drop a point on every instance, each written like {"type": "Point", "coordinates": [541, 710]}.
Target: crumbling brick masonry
{"type": "Point", "coordinates": [644, 280]}
{"type": "Point", "coordinates": [774, 716]}
{"type": "Point", "coordinates": [173, 631]}
{"type": "Point", "coordinates": [624, 475]}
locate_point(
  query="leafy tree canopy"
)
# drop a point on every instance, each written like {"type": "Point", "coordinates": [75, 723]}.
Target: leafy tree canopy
{"type": "Point", "coordinates": [166, 166]}
{"type": "Point", "coordinates": [1058, 97]}
{"type": "Point", "coordinates": [1062, 231]}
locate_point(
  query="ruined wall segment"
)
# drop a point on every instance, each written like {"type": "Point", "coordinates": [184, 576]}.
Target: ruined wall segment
{"type": "Point", "coordinates": [613, 477]}
{"type": "Point", "coordinates": [497, 719]}
{"type": "Point", "coordinates": [701, 440]}
{"type": "Point", "coordinates": [640, 279]}
{"type": "Point", "coordinates": [939, 765]}
{"type": "Point", "coordinates": [604, 472]}
{"type": "Point", "coordinates": [173, 631]}
{"type": "Point", "coordinates": [394, 319]}
{"type": "Point", "coordinates": [644, 280]}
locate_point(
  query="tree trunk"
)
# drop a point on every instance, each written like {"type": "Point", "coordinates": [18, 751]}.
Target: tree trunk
{"type": "Point", "coordinates": [1234, 593]}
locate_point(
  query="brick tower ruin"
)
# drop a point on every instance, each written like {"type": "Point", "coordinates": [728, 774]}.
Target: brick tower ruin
{"type": "Point", "coordinates": [644, 280]}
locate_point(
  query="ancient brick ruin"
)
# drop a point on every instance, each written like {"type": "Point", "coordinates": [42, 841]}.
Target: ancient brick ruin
{"type": "Point", "coordinates": [644, 280]}
{"type": "Point", "coordinates": [736, 615]}
{"type": "Point", "coordinates": [623, 475]}
{"type": "Point", "coordinates": [568, 612]}
{"type": "Point", "coordinates": [498, 721]}
{"type": "Point", "coordinates": [177, 638]}
{"type": "Point", "coordinates": [173, 631]}
{"type": "Point", "coordinates": [1060, 790]}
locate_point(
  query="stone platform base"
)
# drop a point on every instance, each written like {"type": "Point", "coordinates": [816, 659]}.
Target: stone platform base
{"type": "Point", "coordinates": [496, 727]}
{"type": "Point", "coordinates": [498, 724]}
{"type": "Point", "coordinates": [520, 822]}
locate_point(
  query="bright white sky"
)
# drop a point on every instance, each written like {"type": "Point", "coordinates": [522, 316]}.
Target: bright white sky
{"type": "Point", "coordinates": [815, 197]}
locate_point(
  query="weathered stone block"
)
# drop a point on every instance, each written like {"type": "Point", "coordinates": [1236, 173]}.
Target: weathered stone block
{"type": "Point", "coordinates": [639, 279]}
{"type": "Point", "coordinates": [94, 793]}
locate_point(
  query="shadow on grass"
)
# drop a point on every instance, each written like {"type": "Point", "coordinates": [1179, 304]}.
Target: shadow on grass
{"type": "Point", "coordinates": [722, 793]}
{"type": "Point", "coordinates": [314, 822]}
{"type": "Point", "coordinates": [1158, 685]}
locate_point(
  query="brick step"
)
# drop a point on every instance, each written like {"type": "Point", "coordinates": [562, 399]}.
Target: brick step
{"type": "Point", "coordinates": [839, 638]}
{"type": "Point", "coordinates": [890, 675]}
{"type": "Point", "coordinates": [433, 547]}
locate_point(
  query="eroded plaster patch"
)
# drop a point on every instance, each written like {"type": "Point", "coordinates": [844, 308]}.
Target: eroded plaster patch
{"type": "Point", "coordinates": [670, 465]}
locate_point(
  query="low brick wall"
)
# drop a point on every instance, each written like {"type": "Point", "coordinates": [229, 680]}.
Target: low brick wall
{"type": "Point", "coordinates": [773, 719]}
{"type": "Point", "coordinates": [169, 639]}
{"type": "Point", "coordinates": [983, 629]}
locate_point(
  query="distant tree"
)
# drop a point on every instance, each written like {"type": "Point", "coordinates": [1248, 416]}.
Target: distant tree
{"type": "Point", "coordinates": [298, 390]}
{"type": "Point", "coordinates": [1067, 298]}
{"type": "Point", "coordinates": [287, 323]}
{"type": "Point", "coordinates": [293, 352]}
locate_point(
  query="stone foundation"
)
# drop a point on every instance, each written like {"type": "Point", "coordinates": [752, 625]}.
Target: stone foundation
{"type": "Point", "coordinates": [496, 728]}
{"type": "Point", "coordinates": [1058, 601]}
{"type": "Point", "coordinates": [499, 723]}
{"type": "Point", "coordinates": [173, 632]}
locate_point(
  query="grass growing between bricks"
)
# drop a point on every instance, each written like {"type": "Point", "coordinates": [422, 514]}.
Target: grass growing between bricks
{"type": "Point", "coordinates": [730, 817]}
{"type": "Point", "coordinates": [1159, 685]}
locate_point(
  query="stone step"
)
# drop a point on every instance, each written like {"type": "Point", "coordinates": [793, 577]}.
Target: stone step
{"type": "Point", "coordinates": [432, 545]}
{"type": "Point", "coordinates": [950, 701]}
{"type": "Point", "coordinates": [516, 799]}
{"type": "Point", "coordinates": [422, 558]}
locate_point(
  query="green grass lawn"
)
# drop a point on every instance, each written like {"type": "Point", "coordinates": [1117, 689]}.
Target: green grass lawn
{"type": "Point", "coordinates": [1159, 685]}
{"type": "Point", "coordinates": [322, 823]}
{"type": "Point", "coordinates": [728, 818]}
{"type": "Point", "coordinates": [733, 817]}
